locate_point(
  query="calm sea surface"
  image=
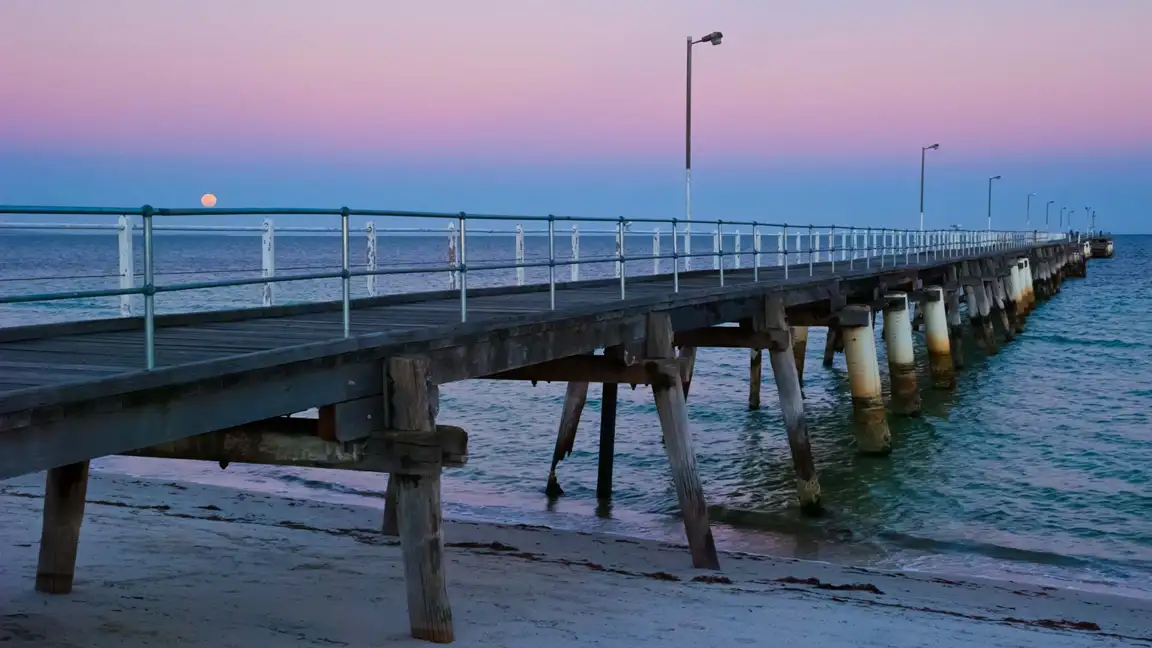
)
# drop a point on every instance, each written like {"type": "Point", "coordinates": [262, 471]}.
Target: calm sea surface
{"type": "Point", "coordinates": [1038, 466]}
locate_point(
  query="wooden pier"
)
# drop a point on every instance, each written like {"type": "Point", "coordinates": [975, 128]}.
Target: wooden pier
{"type": "Point", "coordinates": [224, 382]}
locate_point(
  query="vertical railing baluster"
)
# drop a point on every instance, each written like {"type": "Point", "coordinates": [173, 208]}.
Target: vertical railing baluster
{"type": "Point", "coordinates": [453, 273]}
{"type": "Point", "coordinates": [370, 257]}
{"type": "Point", "coordinates": [736, 249]}
{"type": "Point", "coordinates": [127, 263]}
{"type": "Point", "coordinates": [755, 252]}
{"type": "Point", "coordinates": [463, 267]}
{"type": "Point", "coordinates": [716, 249]}
{"type": "Point", "coordinates": [552, 260]}
{"type": "Point", "coordinates": [345, 276]}
{"type": "Point", "coordinates": [832, 248]}
{"type": "Point", "coordinates": [852, 257]}
{"type": "Point", "coordinates": [675, 258]}
{"type": "Point", "coordinates": [812, 243]}
{"type": "Point", "coordinates": [267, 262]}
{"type": "Point", "coordinates": [720, 249]}
{"type": "Point", "coordinates": [620, 255]}
{"type": "Point", "coordinates": [519, 254]}
{"type": "Point", "coordinates": [149, 291]}
{"type": "Point", "coordinates": [655, 250]}
{"type": "Point", "coordinates": [784, 249]}
{"type": "Point", "coordinates": [575, 266]}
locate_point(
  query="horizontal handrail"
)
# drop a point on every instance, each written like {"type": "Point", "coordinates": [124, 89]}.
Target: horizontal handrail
{"type": "Point", "coordinates": [795, 246]}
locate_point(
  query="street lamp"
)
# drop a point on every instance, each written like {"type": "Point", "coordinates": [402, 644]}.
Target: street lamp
{"type": "Point", "coordinates": [1087, 215]}
{"type": "Point", "coordinates": [713, 38]}
{"type": "Point", "coordinates": [1062, 218]}
{"type": "Point", "coordinates": [990, 201]}
{"type": "Point", "coordinates": [1028, 212]}
{"type": "Point", "coordinates": [1046, 214]}
{"type": "Point", "coordinates": [923, 151]}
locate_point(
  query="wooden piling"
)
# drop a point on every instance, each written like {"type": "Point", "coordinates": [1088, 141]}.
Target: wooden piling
{"type": "Point", "coordinates": [687, 367]}
{"type": "Point", "coordinates": [664, 372]}
{"type": "Point", "coordinates": [574, 400]}
{"type": "Point", "coordinates": [982, 320]}
{"type": "Point", "coordinates": [1000, 304]}
{"type": "Point", "coordinates": [799, 349]}
{"type": "Point", "coordinates": [390, 527]}
{"type": "Point", "coordinates": [901, 358]}
{"type": "Point", "coordinates": [64, 493]}
{"type": "Point", "coordinates": [755, 371]}
{"type": "Point", "coordinates": [871, 423]}
{"type": "Point", "coordinates": [787, 377]}
{"type": "Point", "coordinates": [831, 345]}
{"type": "Point", "coordinates": [936, 334]}
{"type": "Point", "coordinates": [411, 409]}
{"type": "Point", "coordinates": [955, 328]}
{"type": "Point", "coordinates": [607, 456]}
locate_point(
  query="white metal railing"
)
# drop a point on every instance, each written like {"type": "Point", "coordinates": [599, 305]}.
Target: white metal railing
{"type": "Point", "coordinates": [811, 246]}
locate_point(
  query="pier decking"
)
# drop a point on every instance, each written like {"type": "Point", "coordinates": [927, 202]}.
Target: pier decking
{"type": "Point", "coordinates": [218, 385]}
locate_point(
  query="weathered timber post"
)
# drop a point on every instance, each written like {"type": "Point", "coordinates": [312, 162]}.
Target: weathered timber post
{"type": "Point", "coordinates": [415, 448]}
{"type": "Point", "coordinates": [998, 295]}
{"type": "Point", "coordinates": [608, 398]}
{"type": "Point", "coordinates": [755, 372]}
{"type": "Point", "coordinates": [901, 358]}
{"type": "Point", "coordinates": [391, 525]}
{"type": "Point", "coordinates": [955, 328]}
{"type": "Point", "coordinates": [799, 348]}
{"type": "Point", "coordinates": [984, 298]}
{"type": "Point", "coordinates": [1029, 284]}
{"type": "Point", "coordinates": [687, 367]}
{"type": "Point", "coordinates": [872, 435]}
{"type": "Point", "coordinates": [1012, 297]}
{"type": "Point", "coordinates": [787, 377]}
{"type": "Point", "coordinates": [64, 493]}
{"type": "Point", "coordinates": [832, 344]}
{"type": "Point", "coordinates": [664, 371]}
{"type": "Point", "coordinates": [574, 400]}
{"type": "Point", "coordinates": [937, 334]}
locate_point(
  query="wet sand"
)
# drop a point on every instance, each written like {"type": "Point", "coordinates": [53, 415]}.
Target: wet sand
{"type": "Point", "coordinates": [181, 564]}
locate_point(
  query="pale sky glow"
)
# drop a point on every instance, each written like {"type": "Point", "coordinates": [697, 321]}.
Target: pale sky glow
{"type": "Point", "coordinates": [813, 108]}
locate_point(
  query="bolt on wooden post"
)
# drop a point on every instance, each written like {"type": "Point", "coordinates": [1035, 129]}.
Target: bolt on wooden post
{"type": "Point", "coordinates": [937, 336]}
{"type": "Point", "coordinates": [901, 357]}
{"type": "Point", "coordinates": [871, 422]}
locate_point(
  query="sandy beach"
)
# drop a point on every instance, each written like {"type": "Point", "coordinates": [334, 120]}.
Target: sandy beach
{"type": "Point", "coordinates": [167, 564]}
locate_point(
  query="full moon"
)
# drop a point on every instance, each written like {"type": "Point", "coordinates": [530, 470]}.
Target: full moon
{"type": "Point", "coordinates": [208, 200]}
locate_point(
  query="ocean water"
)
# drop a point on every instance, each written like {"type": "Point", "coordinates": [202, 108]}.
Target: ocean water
{"type": "Point", "coordinates": [1038, 467]}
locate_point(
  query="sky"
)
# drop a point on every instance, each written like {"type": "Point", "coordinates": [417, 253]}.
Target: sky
{"type": "Point", "coordinates": [807, 113]}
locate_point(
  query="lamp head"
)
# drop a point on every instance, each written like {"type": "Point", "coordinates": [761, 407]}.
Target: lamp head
{"type": "Point", "coordinates": [994, 178]}
{"type": "Point", "coordinates": [933, 147]}
{"type": "Point", "coordinates": [713, 38]}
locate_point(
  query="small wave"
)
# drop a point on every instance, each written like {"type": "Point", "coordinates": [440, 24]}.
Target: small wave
{"type": "Point", "coordinates": [1088, 342]}
{"type": "Point", "coordinates": [316, 484]}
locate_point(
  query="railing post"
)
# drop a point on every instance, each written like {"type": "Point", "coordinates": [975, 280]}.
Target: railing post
{"type": "Point", "coordinates": [688, 246]}
{"type": "Point", "coordinates": [463, 267]}
{"type": "Point", "coordinates": [453, 273]}
{"type": "Point", "coordinates": [720, 249]}
{"type": "Point", "coordinates": [519, 255]}
{"type": "Point", "coordinates": [370, 266]}
{"type": "Point", "coordinates": [575, 266]}
{"type": "Point", "coordinates": [755, 252]}
{"type": "Point", "coordinates": [882, 245]}
{"type": "Point", "coordinates": [127, 264]}
{"type": "Point", "coordinates": [799, 249]}
{"type": "Point", "coordinates": [675, 258]}
{"type": "Point", "coordinates": [346, 277]}
{"type": "Point", "coordinates": [716, 249]}
{"type": "Point", "coordinates": [552, 260]}
{"type": "Point", "coordinates": [620, 255]}
{"type": "Point", "coordinates": [784, 249]}
{"type": "Point", "coordinates": [736, 250]}
{"type": "Point", "coordinates": [852, 238]}
{"type": "Point", "coordinates": [267, 262]}
{"type": "Point", "coordinates": [656, 250]}
{"type": "Point", "coordinates": [832, 248]}
{"type": "Point", "coordinates": [813, 242]}
{"type": "Point", "coordinates": [149, 290]}
{"type": "Point", "coordinates": [868, 243]}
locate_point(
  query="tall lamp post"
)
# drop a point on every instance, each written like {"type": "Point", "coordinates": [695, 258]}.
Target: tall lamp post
{"type": "Point", "coordinates": [713, 38]}
{"type": "Point", "coordinates": [990, 201]}
{"type": "Point", "coordinates": [1062, 218]}
{"type": "Point", "coordinates": [1046, 207]}
{"type": "Point", "coordinates": [1087, 215]}
{"type": "Point", "coordinates": [1028, 211]}
{"type": "Point", "coordinates": [923, 152]}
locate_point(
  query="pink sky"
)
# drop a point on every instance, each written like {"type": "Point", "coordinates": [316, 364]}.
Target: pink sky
{"type": "Point", "coordinates": [594, 78]}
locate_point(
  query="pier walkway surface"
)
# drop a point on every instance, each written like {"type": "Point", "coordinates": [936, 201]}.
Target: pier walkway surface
{"type": "Point", "coordinates": [219, 385]}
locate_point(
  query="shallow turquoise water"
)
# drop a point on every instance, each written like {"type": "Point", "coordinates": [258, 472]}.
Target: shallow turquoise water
{"type": "Point", "coordinates": [1037, 466]}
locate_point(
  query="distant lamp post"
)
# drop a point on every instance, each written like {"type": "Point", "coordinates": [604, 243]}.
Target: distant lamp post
{"type": "Point", "coordinates": [1087, 215]}
{"type": "Point", "coordinates": [713, 38]}
{"type": "Point", "coordinates": [1062, 218]}
{"type": "Point", "coordinates": [923, 151]}
{"type": "Point", "coordinates": [990, 201]}
{"type": "Point", "coordinates": [1028, 212]}
{"type": "Point", "coordinates": [1046, 207]}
